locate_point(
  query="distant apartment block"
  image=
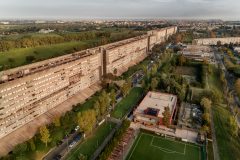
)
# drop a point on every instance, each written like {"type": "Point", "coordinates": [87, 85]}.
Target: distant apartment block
{"type": "Point", "coordinates": [29, 91]}
{"type": "Point", "coordinates": [214, 41]}
{"type": "Point", "coordinates": [150, 111]}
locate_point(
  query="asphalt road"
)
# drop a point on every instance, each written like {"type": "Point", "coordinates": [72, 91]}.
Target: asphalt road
{"type": "Point", "coordinates": [61, 149]}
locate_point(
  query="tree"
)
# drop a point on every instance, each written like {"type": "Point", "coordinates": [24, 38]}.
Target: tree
{"type": "Point", "coordinates": [219, 43]}
{"type": "Point", "coordinates": [86, 120]}
{"type": "Point", "coordinates": [205, 129]}
{"type": "Point", "coordinates": [104, 102]}
{"type": "Point", "coordinates": [56, 122]}
{"type": "Point", "coordinates": [30, 59]}
{"type": "Point", "coordinates": [113, 97]}
{"type": "Point", "coordinates": [126, 88]}
{"type": "Point", "coordinates": [45, 135]}
{"type": "Point", "coordinates": [20, 148]}
{"type": "Point", "coordinates": [144, 68]}
{"type": "Point", "coordinates": [233, 126]}
{"type": "Point", "coordinates": [206, 118]}
{"type": "Point", "coordinates": [96, 107]}
{"type": "Point", "coordinates": [206, 104]}
{"type": "Point", "coordinates": [216, 96]}
{"type": "Point", "coordinates": [154, 69]}
{"type": "Point", "coordinates": [154, 83]}
{"type": "Point", "coordinates": [237, 86]}
{"type": "Point", "coordinates": [81, 157]}
{"type": "Point", "coordinates": [181, 60]}
{"type": "Point", "coordinates": [236, 111]}
{"type": "Point", "coordinates": [11, 60]}
{"type": "Point", "coordinates": [166, 116]}
{"type": "Point", "coordinates": [32, 144]}
{"type": "Point", "coordinates": [115, 71]}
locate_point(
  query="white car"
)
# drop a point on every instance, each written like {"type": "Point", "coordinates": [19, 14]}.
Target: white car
{"type": "Point", "coordinates": [72, 144]}
{"type": "Point", "coordinates": [76, 128]}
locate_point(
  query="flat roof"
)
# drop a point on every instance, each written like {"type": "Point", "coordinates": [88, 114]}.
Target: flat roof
{"type": "Point", "coordinates": [157, 100]}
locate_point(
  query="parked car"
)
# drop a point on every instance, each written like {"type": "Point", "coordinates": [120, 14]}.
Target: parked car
{"type": "Point", "coordinates": [77, 138]}
{"type": "Point", "coordinates": [77, 128]}
{"type": "Point", "coordinates": [57, 157]}
{"type": "Point", "coordinates": [72, 144]}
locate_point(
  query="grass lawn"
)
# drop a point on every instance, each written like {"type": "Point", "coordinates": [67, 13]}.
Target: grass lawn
{"type": "Point", "coordinates": [214, 80]}
{"type": "Point", "coordinates": [228, 146]}
{"type": "Point", "coordinates": [196, 94]}
{"type": "Point", "coordinates": [89, 146]}
{"type": "Point", "coordinates": [152, 147]}
{"type": "Point", "coordinates": [128, 102]}
{"type": "Point", "coordinates": [88, 104]}
{"type": "Point", "coordinates": [40, 53]}
{"type": "Point", "coordinates": [184, 70]}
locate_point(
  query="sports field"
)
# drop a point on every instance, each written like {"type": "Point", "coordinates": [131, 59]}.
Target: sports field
{"type": "Point", "coordinates": [153, 147]}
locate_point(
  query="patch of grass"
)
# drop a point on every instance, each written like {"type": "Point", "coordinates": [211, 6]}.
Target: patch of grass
{"type": "Point", "coordinates": [152, 147]}
{"type": "Point", "coordinates": [184, 70]}
{"type": "Point", "coordinates": [228, 146]}
{"type": "Point", "coordinates": [18, 56]}
{"type": "Point", "coordinates": [214, 80]}
{"type": "Point", "coordinates": [197, 94]}
{"type": "Point", "coordinates": [128, 102]}
{"type": "Point", "coordinates": [89, 146]}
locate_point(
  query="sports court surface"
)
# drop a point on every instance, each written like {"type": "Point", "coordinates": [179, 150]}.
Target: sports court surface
{"type": "Point", "coordinates": [153, 147]}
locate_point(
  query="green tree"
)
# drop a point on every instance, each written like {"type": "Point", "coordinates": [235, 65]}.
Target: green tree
{"type": "Point", "coordinates": [97, 108]}
{"type": "Point", "coordinates": [30, 59]}
{"type": "Point", "coordinates": [233, 126]}
{"type": "Point", "coordinates": [154, 69]}
{"type": "Point", "coordinates": [125, 88]}
{"type": "Point", "coordinates": [81, 157]}
{"type": "Point", "coordinates": [206, 104]}
{"type": "Point", "coordinates": [32, 144]}
{"type": "Point", "coordinates": [237, 86]}
{"type": "Point", "coordinates": [20, 148]}
{"type": "Point", "coordinates": [154, 83]}
{"type": "Point", "coordinates": [104, 102]}
{"type": "Point", "coordinates": [181, 60]}
{"type": "Point", "coordinates": [113, 97]}
{"type": "Point", "coordinates": [86, 120]}
{"type": "Point", "coordinates": [205, 129]}
{"type": "Point", "coordinates": [166, 116]}
{"type": "Point", "coordinates": [45, 135]}
{"type": "Point", "coordinates": [56, 121]}
{"type": "Point", "coordinates": [206, 118]}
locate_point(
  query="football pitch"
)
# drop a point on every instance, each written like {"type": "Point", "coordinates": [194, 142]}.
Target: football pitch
{"type": "Point", "coordinates": [153, 147]}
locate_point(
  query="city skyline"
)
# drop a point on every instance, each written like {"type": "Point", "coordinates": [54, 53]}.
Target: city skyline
{"type": "Point", "coordinates": [116, 9]}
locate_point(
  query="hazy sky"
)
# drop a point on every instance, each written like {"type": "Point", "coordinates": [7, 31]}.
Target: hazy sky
{"type": "Point", "coordinates": [41, 9]}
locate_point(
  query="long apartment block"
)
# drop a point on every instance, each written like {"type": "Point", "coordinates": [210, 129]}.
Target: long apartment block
{"type": "Point", "coordinates": [214, 41]}
{"type": "Point", "coordinates": [31, 90]}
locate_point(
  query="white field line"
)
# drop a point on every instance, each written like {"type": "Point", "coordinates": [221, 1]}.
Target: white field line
{"type": "Point", "coordinates": [135, 147]}
{"type": "Point", "coordinates": [171, 140]}
{"type": "Point", "coordinates": [167, 150]}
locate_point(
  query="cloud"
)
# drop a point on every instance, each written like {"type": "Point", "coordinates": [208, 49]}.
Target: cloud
{"type": "Point", "coordinates": [120, 9]}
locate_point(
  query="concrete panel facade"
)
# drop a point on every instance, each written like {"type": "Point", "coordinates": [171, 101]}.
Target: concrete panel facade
{"type": "Point", "coordinates": [29, 91]}
{"type": "Point", "coordinates": [214, 41]}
